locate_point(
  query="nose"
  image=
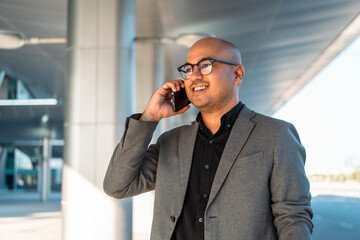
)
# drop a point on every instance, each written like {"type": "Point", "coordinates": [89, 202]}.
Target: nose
{"type": "Point", "coordinates": [195, 75]}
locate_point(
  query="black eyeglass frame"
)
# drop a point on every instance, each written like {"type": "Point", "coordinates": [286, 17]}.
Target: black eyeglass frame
{"type": "Point", "coordinates": [212, 60]}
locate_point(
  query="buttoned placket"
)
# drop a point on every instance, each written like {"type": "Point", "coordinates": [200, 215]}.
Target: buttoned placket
{"type": "Point", "coordinates": [205, 179]}
{"type": "Point", "coordinates": [203, 171]}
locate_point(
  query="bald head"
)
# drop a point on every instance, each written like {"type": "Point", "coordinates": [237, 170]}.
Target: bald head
{"type": "Point", "coordinates": [218, 48]}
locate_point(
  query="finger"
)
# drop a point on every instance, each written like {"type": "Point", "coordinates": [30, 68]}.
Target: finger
{"type": "Point", "coordinates": [174, 85]}
{"type": "Point", "coordinates": [184, 109]}
{"type": "Point", "coordinates": [166, 88]}
{"type": "Point", "coordinates": [177, 84]}
{"type": "Point", "coordinates": [170, 85]}
{"type": "Point", "coordinates": [168, 96]}
{"type": "Point", "coordinates": [182, 84]}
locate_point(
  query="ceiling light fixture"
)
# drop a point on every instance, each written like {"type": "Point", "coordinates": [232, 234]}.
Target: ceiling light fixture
{"type": "Point", "coordinates": [14, 40]}
{"type": "Point", "coordinates": [184, 39]}
{"type": "Point", "coordinates": [28, 102]}
{"type": "Point", "coordinates": [45, 118]}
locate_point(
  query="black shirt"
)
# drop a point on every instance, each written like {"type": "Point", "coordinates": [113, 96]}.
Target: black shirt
{"type": "Point", "coordinates": [206, 157]}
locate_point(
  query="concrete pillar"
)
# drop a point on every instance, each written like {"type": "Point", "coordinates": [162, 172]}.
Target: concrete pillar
{"type": "Point", "coordinates": [150, 77]}
{"type": "Point", "coordinates": [159, 80]}
{"type": "Point", "coordinates": [38, 156]}
{"type": "Point", "coordinates": [45, 171]}
{"type": "Point", "coordinates": [100, 94]}
{"type": "Point", "coordinates": [2, 167]}
{"type": "Point", "coordinates": [159, 65]}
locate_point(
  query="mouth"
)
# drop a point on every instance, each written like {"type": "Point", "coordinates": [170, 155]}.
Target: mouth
{"type": "Point", "coordinates": [199, 88]}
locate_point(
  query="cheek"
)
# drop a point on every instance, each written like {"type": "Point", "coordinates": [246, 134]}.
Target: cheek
{"type": "Point", "coordinates": [187, 86]}
{"type": "Point", "coordinates": [222, 84]}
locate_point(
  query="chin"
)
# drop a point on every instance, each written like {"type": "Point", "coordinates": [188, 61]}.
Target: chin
{"type": "Point", "coordinates": [201, 105]}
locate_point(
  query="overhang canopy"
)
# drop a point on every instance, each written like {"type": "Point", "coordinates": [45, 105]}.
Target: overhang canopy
{"type": "Point", "coordinates": [284, 43]}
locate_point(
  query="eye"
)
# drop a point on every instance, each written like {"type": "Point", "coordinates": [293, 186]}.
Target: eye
{"type": "Point", "coordinates": [187, 69]}
{"type": "Point", "coordinates": [205, 64]}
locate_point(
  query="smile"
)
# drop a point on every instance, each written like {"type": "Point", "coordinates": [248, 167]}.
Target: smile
{"type": "Point", "coordinates": [199, 88]}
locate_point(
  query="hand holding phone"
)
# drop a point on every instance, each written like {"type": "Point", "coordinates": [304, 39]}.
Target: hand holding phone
{"type": "Point", "coordinates": [179, 99]}
{"type": "Point", "coordinates": [165, 103]}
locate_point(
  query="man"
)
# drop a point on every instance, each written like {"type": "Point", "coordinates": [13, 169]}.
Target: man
{"type": "Point", "coordinates": [232, 174]}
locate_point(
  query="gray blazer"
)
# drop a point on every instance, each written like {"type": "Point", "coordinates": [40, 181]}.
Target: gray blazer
{"type": "Point", "coordinates": [260, 190]}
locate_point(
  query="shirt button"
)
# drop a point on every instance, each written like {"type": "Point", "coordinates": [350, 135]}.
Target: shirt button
{"type": "Point", "coordinates": [205, 195]}
{"type": "Point", "coordinates": [228, 125]}
{"type": "Point", "coordinates": [200, 219]}
{"type": "Point", "coordinates": [211, 141]}
{"type": "Point", "coordinates": [172, 218]}
{"type": "Point", "coordinates": [206, 166]}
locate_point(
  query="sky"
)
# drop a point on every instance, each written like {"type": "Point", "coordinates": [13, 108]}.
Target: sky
{"type": "Point", "coordinates": [326, 113]}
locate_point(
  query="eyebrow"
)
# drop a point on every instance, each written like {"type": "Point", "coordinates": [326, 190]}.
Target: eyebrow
{"type": "Point", "coordinates": [204, 58]}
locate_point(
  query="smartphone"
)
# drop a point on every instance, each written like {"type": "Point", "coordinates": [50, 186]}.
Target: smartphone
{"type": "Point", "coordinates": [179, 99]}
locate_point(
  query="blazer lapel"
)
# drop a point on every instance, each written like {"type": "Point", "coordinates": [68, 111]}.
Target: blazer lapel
{"type": "Point", "coordinates": [186, 149]}
{"type": "Point", "coordinates": [236, 141]}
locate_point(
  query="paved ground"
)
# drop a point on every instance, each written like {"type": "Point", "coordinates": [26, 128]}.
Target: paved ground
{"type": "Point", "coordinates": [336, 218]}
{"type": "Point", "coordinates": [348, 189]}
{"type": "Point", "coordinates": [24, 217]}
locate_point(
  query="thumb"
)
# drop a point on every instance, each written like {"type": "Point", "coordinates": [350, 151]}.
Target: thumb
{"type": "Point", "coordinates": [184, 109]}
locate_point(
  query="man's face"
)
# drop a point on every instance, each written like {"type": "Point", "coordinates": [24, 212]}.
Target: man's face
{"type": "Point", "coordinates": [214, 91]}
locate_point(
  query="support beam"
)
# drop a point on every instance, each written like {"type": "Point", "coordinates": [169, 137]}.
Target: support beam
{"type": "Point", "coordinates": [100, 95]}
{"type": "Point", "coordinates": [45, 171]}
{"type": "Point", "coordinates": [3, 152]}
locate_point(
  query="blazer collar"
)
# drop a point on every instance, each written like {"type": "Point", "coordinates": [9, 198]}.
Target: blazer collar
{"type": "Point", "coordinates": [235, 143]}
{"type": "Point", "coordinates": [186, 149]}
{"type": "Point", "coordinates": [240, 132]}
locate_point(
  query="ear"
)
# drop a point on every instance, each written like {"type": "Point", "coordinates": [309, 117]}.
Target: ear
{"type": "Point", "coordinates": [239, 72]}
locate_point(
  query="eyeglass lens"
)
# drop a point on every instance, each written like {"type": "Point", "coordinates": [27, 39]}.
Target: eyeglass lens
{"type": "Point", "coordinates": [204, 67]}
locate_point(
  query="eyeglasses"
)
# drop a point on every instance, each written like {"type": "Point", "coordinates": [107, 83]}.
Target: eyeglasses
{"type": "Point", "coordinates": [204, 67]}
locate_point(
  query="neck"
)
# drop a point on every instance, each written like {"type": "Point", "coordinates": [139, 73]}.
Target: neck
{"type": "Point", "coordinates": [212, 119]}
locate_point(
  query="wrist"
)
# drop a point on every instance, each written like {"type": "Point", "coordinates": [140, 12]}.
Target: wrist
{"type": "Point", "coordinates": [145, 116]}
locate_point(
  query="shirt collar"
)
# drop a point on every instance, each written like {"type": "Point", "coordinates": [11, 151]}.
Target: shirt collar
{"type": "Point", "coordinates": [227, 120]}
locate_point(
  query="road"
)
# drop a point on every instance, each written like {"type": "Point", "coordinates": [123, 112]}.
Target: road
{"type": "Point", "coordinates": [336, 218]}
{"type": "Point", "coordinates": [25, 217]}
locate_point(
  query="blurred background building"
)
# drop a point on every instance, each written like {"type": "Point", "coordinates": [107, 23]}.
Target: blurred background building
{"type": "Point", "coordinates": [71, 71]}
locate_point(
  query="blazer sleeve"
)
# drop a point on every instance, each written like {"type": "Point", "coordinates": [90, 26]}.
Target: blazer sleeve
{"type": "Point", "coordinates": [289, 187]}
{"type": "Point", "coordinates": [132, 168]}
